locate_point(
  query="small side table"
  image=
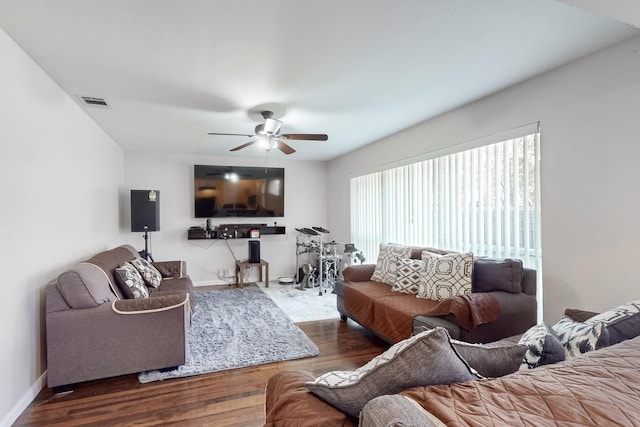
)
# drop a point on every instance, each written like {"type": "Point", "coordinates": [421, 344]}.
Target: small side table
{"type": "Point", "coordinates": [241, 265]}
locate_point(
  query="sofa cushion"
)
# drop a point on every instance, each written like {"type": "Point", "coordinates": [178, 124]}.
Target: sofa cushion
{"type": "Point", "coordinates": [149, 273]}
{"type": "Point", "coordinates": [409, 275]}
{"type": "Point", "coordinates": [543, 346]}
{"type": "Point", "coordinates": [387, 265]}
{"type": "Point", "coordinates": [491, 274]}
{"type": "Point", "coordinates": [131, 282]}
{"type": "Point", "coordinates": [446, 276]}
{"type": "Point", "coordinates": [578, 337]}
{"type": "Point", "coordinates": [425, 359]}
{"type": "Point", "coordinates": [84, 286]}
{"type": "Point", "coordinates": [491, 361]}
{"type": "Point", "coordinates": [621, 323]}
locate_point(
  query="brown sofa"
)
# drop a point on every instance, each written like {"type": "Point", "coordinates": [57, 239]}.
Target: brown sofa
{"type": "Point", "coordinates": [94, 332]}
{"type": "Point", "coordinates": [503, 303]}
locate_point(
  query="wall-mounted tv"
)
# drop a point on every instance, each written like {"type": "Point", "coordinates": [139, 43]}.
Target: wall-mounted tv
{"type": "Point", "coordinates": [238, 191]}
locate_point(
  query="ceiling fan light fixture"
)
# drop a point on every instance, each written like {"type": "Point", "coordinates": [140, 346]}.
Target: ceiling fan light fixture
{"type": "Point", "coordinates": [263, 142]}
{"type": "Point", "coordinates": [272, 126]}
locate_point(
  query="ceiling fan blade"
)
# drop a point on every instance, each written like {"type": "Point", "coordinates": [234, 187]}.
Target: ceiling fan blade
{"type": "Point", "coordinates": [230, 134]}
{"type": "Point", "coordinates": [240, 147]}
{"type": "Point", "coordinates": [284, 147]}
{"type": "Point", "coordinates": [307, 136]}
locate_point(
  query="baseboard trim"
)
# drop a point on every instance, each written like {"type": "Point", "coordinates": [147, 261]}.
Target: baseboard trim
{"type": "Point", "coordinates": [25, 401]}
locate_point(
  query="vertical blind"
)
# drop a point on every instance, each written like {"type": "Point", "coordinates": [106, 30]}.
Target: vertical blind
{"type": "Point", "coordinates": [484, 200]}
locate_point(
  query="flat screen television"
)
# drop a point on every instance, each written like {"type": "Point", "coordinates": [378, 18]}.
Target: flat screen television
{"type": "Point", "coordinates": [238, 191]}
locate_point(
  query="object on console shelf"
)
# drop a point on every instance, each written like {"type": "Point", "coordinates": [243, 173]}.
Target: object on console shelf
{"type": "Point", "coordinates": [197, 233]}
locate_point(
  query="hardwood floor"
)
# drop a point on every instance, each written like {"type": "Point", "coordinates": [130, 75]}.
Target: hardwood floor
{"type": "Point", "coordinates": [230, 398]}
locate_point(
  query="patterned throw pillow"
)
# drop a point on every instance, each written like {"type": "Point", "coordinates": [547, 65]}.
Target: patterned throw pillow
{"type": "Point", "coordinates": [578, 337]}
{"type": "Point", "coordinates": [410, 273]}
{"type": "Point", "coordinates": [425, 359]}
{"type": "Point", "coordinates": [446, 275]}
{"type": "Point", "coordinates": [622, 322]}
{"type": "Point", "coordinates": [149, 273]}
{"type": "Point", "coordinates": [543, 346]}
{"type": "Point", "coordinates": [131, 282]}
{"type": "Point", "coordinates": [387, 264]}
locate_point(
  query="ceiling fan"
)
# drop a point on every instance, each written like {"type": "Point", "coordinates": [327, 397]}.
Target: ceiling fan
{"type": "Point", "coordinates": [268, 135]}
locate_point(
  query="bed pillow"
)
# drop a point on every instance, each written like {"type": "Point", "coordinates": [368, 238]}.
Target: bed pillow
{"type": "Point", "coordinates": [427, 358]}
{"type": "Point", "coordinates": [622, 322]}
{"type": "Point", "coordinates": [543, 347]}
{"type": "Point", "coordinates": [491, 361]}
{"type": "Point", "coordinates": [409, 275]}
{"type": "Point", "coordinates": [446, 276]}
{"type": "Point", "coordinates": [387, 265]}
{"type": "Point", "coordinates": [578, 337]}
{"type": "Point", "coordinates": [131, 282]}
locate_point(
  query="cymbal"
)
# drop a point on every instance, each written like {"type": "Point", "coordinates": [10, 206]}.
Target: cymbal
{"type": "Point", "coordinates": [307, 231]}
{"type": "Point", "coordinates": [320, 229]}
{"type": "Point", "coordinates": [334, 243]}
{"type": "Point", "coordinates": [310, 232]}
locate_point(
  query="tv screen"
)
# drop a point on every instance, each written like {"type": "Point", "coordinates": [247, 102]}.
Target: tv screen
{"type": "Point", "coordinates": [227, 191]}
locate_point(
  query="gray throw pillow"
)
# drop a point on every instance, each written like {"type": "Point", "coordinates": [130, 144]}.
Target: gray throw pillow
{"type": "Point", "coordinates": [491, 361]}
{"type": "Point", "coordinates": [424, 359]}
{"type": "Point", "coordinates": [543, 346]}
{"type": "Point", "coordinates": [491, 274]}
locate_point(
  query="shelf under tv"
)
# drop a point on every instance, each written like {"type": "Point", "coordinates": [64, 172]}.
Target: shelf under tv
{"type": "Point", "coordinates": [234, 231]}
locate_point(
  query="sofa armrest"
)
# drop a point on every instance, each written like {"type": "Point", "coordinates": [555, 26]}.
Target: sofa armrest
{"type": "Point", "coordinates": [170, 269]}
{"type": "Point", "coordinates": [393, 410]}
{"type": "Point", "coordinates": [146, 305]}
{"type": "Point", "coordinates": [104, 343]}
{"type": "Point", "coordinates": [579, 315]}
{"type": "Point", "coordinates": [426, 323]}
{"type": "Point", "coordinates": [358, 273]}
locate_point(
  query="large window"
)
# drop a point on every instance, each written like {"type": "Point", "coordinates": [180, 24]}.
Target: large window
{"type": "Point", "coordinates": [484, 200]}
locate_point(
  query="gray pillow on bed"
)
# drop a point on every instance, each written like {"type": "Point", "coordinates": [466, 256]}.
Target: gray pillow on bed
{"type": "Point", "coordinates": [491, 361]}
{"type": "Point", "coordinates": [424, 359]}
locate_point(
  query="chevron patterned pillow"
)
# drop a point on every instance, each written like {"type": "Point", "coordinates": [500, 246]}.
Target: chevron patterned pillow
{"type": "Point", "coordinates": [408, 276]}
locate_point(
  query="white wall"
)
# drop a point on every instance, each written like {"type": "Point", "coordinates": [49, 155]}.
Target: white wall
{"type": "Point", "coordinates": [59, 180]}
{"type": "Point", "coordinates": [172, 174]}
{"type": "Point", "coordinates": [589, 113]}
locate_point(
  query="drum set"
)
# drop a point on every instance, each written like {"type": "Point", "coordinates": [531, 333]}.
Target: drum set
{"type": "Point", "coordinates": [321, 261]}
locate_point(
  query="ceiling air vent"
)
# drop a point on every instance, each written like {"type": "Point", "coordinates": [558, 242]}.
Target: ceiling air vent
{"type": "Point", "coordinates": [94, 102]}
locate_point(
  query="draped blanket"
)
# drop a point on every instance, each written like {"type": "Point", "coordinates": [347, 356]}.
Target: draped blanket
{"type": "Point", "coordinates": [600, 388]}
{"type": "Point", "coordinates": [375, 306]}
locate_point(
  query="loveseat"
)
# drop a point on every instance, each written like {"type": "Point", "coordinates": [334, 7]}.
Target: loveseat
{"type": "Point", "coordinates": [502, 302]}
{"type": "Point", "coordinates": [96, 329]}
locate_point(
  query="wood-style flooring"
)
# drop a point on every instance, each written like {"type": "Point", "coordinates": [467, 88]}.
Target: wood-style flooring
{"type": "Point", "coordinates": [230, 398]}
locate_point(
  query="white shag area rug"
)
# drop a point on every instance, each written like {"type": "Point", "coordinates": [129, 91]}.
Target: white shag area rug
{"type": "Point", "coordinates": [235, 328]}
{"type": "Point", "coordinates": [303, 306]}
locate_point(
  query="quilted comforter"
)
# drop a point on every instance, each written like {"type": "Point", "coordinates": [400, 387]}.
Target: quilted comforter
{"type": "Point", "coordinates": [601, 388]}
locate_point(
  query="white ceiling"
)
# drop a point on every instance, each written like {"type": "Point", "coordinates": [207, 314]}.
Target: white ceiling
{"type": "Point", "coordinates": [356, 70]}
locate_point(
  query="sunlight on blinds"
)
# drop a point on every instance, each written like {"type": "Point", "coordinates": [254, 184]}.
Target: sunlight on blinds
{"type": "Point", "coordinates": [484, 200]}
